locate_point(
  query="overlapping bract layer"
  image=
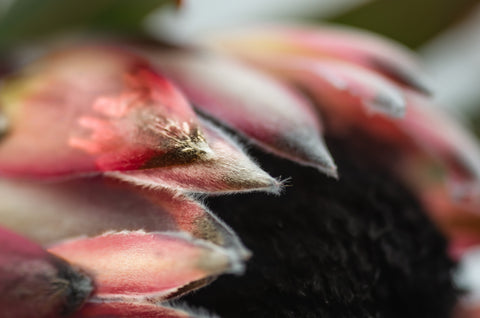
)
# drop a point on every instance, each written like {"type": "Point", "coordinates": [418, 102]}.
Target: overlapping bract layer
{"type": "Point", "coordinates": [82, 118]}
{"type": "Point", "coordinates": [352, 76]}
{"type": "Point", "coordinates": [113, 273]}
{"type": "Point", "coordinates": [52, 212]}
{"type": "Point", "coordinates": [256, 105]}
{"type": "Point", "coordinates": [97, 139]}
{"type": "Point", "coordinates": [94, 109]}
{"type": "Point", "coordinates": [137, 265]}
{"type": "Point", "coordinates": [358, 47]}
{"type": "Point", "coordinates": [229, 170]}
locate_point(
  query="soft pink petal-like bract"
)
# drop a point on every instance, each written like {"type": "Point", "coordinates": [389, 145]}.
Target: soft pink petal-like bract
{"type": "Point", "coordinates": [94, 109]}
{"type": "Point", "coordinates": [228, 170]}
{"type": "Point", "coordinates": [327, 42]}
{"type": "Point", "coordinates": [424, 133]}
{"type": "Point", "coordinates": [50, 212]}
{"type": "Point", "coordinates": [136, 265]}
{"type": "Point", "coordinates": [253, 103]}
{"type": "Point", "coordinates": [104, 110]}
{"type": "Point", "coordinates": [338, 84]}
{"type": "Point", "coordinates": [344, 70]}
{"type": "Point", "coordinates": [436, 132]}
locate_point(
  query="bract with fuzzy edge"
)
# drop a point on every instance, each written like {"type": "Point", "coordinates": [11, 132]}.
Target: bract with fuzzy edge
{"type": "Point", "coordinates": [93, 109]}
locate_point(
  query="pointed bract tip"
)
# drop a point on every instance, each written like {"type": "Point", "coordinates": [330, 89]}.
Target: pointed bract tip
{"type": "Point", "coordinates": [325, 164]}
{"type": "Point", "coordinates": [324, 161]}
{"type": "Point", "coordinates": [259, 181]}
{"type": "Point", "coordinates": [376, 93]}
{"type": "Point", "coordinates": [219, 260]}
{"type": "Point", "coordinates": [312, 153]}
{"type": "Point", "coordinates": [329, 170]}
{"type": "Point", "coordinates": [409, 78]}
{"type": "Point", "coordinates": [272, 115]}
{"type": "Point", "coordinates": [230, 170]}
{"type": "Point", "coordinates": [265, 182]}
{"type": "Point", "coordinates": [421, 86]}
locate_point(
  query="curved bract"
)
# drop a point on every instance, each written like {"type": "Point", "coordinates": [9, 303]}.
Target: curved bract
{"type": "Point", "coordinates": [102, 154]}
{"type": "Point", "coordinates": [161, 264]}
{"type": "Point", "coordinates": [229, 170]}
{"type": "Point", "coordinates": [255, 104]}
{"type": "Point", "coordinates": [94, 109]}
{"type": "Point", "coordinates": [368, 50]}
{"type": "Point", "coordinates": [369, 91]}
{"type": "Point", "coordinates": [48, 213]}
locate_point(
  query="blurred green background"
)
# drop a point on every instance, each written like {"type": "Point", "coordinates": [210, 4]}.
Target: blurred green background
{"type": "Point", "coordinates": [412, 22]}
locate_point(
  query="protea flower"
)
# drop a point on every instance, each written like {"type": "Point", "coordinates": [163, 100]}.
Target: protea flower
{"type": "Point", "coordinates": [108, 149]}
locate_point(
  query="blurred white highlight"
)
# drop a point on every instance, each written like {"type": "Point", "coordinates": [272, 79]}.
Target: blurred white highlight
{"type": "Point", "coordinates": [200, 16]}
{"type": "Point", "coordinates": [453, 62]}
{"type": "Point", "coordinates": [467, 275]}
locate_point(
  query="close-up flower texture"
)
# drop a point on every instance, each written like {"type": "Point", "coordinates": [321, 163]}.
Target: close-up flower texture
{"type": "Point", "coordinates": [281, 169]}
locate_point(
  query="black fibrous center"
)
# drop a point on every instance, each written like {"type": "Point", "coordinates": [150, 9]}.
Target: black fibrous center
{"type": "Point", "coordinates": [358, 247]}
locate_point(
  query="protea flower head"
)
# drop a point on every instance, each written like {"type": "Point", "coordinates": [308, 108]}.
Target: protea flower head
{"type": "Point", "coordinates": [107, 151]}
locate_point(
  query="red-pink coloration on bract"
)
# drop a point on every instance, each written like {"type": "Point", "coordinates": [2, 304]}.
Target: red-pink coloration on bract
{"type": "Point", "coordinates": [354, 79]}
{"type": "Point", "coordinates": [258, 106]}
{"type": "Point", "coordinates": [115, 272]}
{"type": "Point", "coordinates": [101, 153]}
{"type": "Point", "coordinates": [329, 43]}
{"type": "Point", "coordinates": [137, 265]}
{"type": "Point", "coordinates": [228, 170]}
{"type": "Point", "coordinates": [94, 109]}
{"type": "Point", "coordinates": [92, 206]}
